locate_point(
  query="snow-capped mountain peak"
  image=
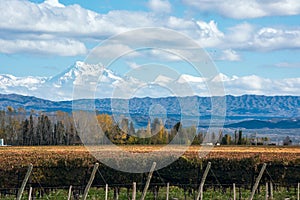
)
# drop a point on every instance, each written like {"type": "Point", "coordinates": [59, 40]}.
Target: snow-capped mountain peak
{"type": "Point", "coordinates": [8, 81]}
{"type": "Point", "coordinates": [105, 81]}
{"type": "Point", "coordinates": [220, 78]}
{"type": "Point", "coordinates": [163, 79]}
{"type": "Point", "coordinates": [74, 71]}
{"type": "Point", "coordinates": [184, 78]}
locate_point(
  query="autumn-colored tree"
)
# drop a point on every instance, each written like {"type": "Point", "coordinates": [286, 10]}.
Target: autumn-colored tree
{"type": "Point", "coordinates": [105, 122]}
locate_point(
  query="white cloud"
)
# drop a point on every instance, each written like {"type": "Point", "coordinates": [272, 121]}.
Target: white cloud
{"type": "Point", "coordinates": [166, 56]}
{"type": "Point", "coordinates": [160, 6]}
{"type": "Point", "coordinates": [249, 37]}
{"type": "Point", "coordinates": [240, 35]}
{"type": "Point", "coordinates": [243, 9]}
{"type": "Point", "coordinates": [75, 21]}
{"type": "Point", "coordinates": [133, 65]}
{"type": "Point", "coordinates": [224, 55]}
{"type": "Point", "coordinates": [287, 65]}
{"type": "Point", "coordinates": [64, 47]}
{"type": "Point", "coordinates": [269, 39]}
{"type": "Point", "coordinates": [260, 86]}
{"type": "Point", "coordinates": [208, 34]}
{"type": "Point", "coordinates": [71, 26]}
{"type": "Point", "coordinates": [54, 3]}
{"type": "Point", "coordinates": [51, 20]}
{"type": "Point", "coordinates": [230, 55]}
{"type": "Point", "coordinates": [113, 51]}
{"type": "Point", "coordinates": [71, 21]}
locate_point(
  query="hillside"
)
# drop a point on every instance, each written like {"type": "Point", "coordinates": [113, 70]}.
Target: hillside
{"type": "Point", "coordinates": [242, 108]}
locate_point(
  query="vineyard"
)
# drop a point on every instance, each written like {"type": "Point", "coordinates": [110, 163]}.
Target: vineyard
{"type": "Point", "coordinates": [58, 167]}
{"type": "Point", "coordinates": [40, 156]}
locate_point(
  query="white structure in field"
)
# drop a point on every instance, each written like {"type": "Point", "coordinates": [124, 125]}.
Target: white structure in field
{"type": "Point", "coordinates": [2, 143]}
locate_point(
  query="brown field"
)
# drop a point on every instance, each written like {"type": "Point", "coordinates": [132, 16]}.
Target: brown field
{"type": "Point", "coordinates": [39, 155]}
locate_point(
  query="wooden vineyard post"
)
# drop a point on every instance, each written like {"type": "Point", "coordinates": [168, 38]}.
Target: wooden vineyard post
{"type": "Point", "coordinates": [200, 190]}
{"type": "Point", "coordinates": [87, 188]}
{"type": "Point", "coordinates": [168, 190]}
{"type": "Point", "coordinates": [30, 193]}
{"type": "Point", "coordinates": [271, 190]}
{"type": "Point", "coordinates": [267, 190]}
{"type": "Point", "coordinates": [134, 191]}
{"type": "Point", "coordinates": [234, 192]}
{"type": "Point", "coordinates": [148, 181]}
{"type": "Point", "coordinates": [106, 191]}
{"type": "Point", "coordinates": [116, 193]}
{"type": "Point", "coordinates": [298, 192]}
{"type": "Point", "coordinates": [21, 190]}
{"type": "Point", "coordinates": [257, 180]}
{"type": "Point", "coordinates": [70, 192]}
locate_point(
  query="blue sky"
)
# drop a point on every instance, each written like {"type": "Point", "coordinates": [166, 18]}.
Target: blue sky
{"type": "Point", "coordinates": [244, 38]}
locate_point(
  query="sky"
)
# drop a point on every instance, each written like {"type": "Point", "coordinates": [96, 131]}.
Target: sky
{"type": "Point", "coordinates": [243, 37]}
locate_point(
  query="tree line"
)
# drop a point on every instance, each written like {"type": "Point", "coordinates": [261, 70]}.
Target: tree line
{"type": "Point", "coordinates": [17, 127]}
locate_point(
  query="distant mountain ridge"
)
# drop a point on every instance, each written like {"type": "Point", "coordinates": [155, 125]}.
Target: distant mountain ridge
{"type": "Point", "coordinates": [241, 108]}
{"type": "Point", "coordinates": [260, 124]}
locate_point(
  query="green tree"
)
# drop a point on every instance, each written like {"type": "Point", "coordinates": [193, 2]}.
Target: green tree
{"type": "Point", "coordinates": [60, 133]}
{"type": "Point", "coordinates": [235, 137]}
{"type": "Point", "coordinates": [147, 136]}
{"type": "Point", "coordinates": [174, 134]}
{"type": "Point", "coordinates": [287, 141]}
{"type": "Point", "coordinates": [226, 140]}
{"type": "Point", "coordinates": [124, 125]}
{"type": "Point", "coordinates": [31, 130]}
{"type": "Point", "coordinates": [25, 131]}
{"type": "Point", "coordinates": [240, 140]}
{"type": "Point", "coordinates": [2, 124]}
{"type": "Point", "coordinates": [131, 129]}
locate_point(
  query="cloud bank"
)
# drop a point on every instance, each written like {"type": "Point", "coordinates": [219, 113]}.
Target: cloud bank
{"type": "Point", "coordinates": [52, 28]}
{"type": "Point", "coordinates": [243, 9]}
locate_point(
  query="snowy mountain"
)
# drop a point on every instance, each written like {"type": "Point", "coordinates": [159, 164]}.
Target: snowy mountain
{"type": "Point", "coordinates": [59, 87]}
{"type": "Point", "coordinates": [76, 70]}
{"type": "Point", "coordinates": [96, 81]}
{"type": "Point", "coordinates": [20, 85]}
{"type": "Point", "coordinates": [8, 81]}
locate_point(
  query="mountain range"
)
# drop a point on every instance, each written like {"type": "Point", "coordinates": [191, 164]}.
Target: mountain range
{"type": "Point", "coordinates": [109, 84]}
{"type": "Point", "coordinates": [248, 111]}
{"type": "Point", "coordinates": [271, 124]}
{"type": "Point", "coordinates": [117, 94]}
